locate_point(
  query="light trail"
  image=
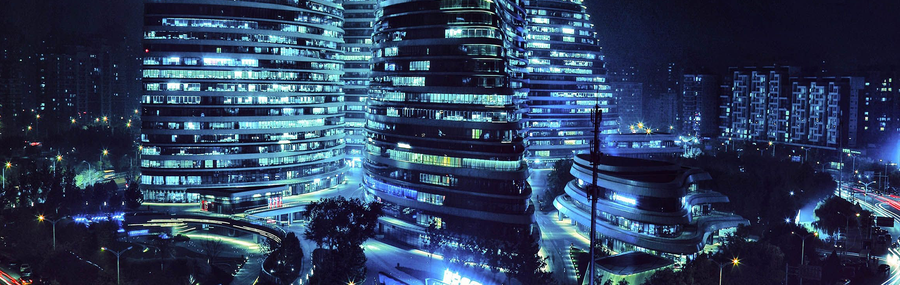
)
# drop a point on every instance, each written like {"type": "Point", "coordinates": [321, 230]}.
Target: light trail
{"type": "Point", "coordinates": [892, 260]}
{"type": "Point", "coordinates": [9, 280]}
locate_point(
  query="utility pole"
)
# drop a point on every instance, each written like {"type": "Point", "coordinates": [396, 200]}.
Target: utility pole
{"type": "Point", "coordinates": [596, 119]}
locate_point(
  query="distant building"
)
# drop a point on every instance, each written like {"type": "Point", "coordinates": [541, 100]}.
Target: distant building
{"type": "Point", "coordinates": [650, 206]}
{"type": "Point", "coordinates": [825, 111]}
{"type": "Point", "coordinates": [699, 105]}
{"type": "Point", "coordinates": [660, 112]}
{"type": "Point", "coordinates": [359, 17]}
{"type": "Point", "coordinates": [879, 127]}
{"type": "Point", "coordinates": [566, 80]}
{"type": "Point", "coordinates": [242, 101]}
{"type": "Point", "coordinates": [16, 94]}
{"type": "Point", "coordinates": [776, 104]}
{"type": "Point", "coordinates": [759, 102]}
{"type": "Point", "coordinates": [629, 96]}
{"type": "Point", "coordinates": [46, 88]}
{"type": "Point", "coordinates": [656, 146]}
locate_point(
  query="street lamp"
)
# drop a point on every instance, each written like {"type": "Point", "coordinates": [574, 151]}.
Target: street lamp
{"type": "Point", "coordinates": [7, 166]}
{"type": "Point", "coordinates": [773, 148]}
{"type": "Point", "coordinates": [52, 221]}
{"type": "Point", "coordinates": [867, 188]}
{"type": "Point", "coordinates": [803, 247]}
{"type": "Point", "coordinates": [117, 253]}
{"type": "Point", "coordinates": [734, 262]}
{"type": "Point", "coordinates": [58, 159]}
{"type": "Point", "coordinates": [90, 171]}
{"type": "Point", "coordinates": [102, 154]}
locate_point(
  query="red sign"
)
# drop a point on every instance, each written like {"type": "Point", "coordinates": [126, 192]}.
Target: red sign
{"type": "Point", "coordinates": [275, 202]}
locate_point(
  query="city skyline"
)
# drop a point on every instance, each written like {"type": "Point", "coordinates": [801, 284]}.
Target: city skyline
{"type": "Point", "coordinates": [448, 142]}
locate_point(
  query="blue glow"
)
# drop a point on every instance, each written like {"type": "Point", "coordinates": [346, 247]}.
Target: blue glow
{"type": "Point", "coordinates": [623, 199]}
{"type": "Point", "coordinates": [453, 278]}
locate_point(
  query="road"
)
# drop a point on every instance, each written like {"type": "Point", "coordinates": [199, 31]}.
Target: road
{"type": "Point", "coordinates": [556, 235]}
{"type": "Point", "coordinates": [886, 206]}
{"type": "Point", "coordinates": [9, 277]}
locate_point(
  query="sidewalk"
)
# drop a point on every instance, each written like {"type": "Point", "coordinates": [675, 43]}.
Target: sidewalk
{"type": "Point", "coordinates": [250, 272]}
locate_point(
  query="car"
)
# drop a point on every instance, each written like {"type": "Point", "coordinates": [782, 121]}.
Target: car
{"type": "Point", "coordinates": [25, 267]}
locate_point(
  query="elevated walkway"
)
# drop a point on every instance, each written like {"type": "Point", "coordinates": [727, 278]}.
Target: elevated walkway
{"type": "Point", "coordinates": [259, 227]}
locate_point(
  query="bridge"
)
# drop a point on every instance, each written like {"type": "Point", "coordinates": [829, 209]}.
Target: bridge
{"type": "Point", "coordinates": [254, 226]}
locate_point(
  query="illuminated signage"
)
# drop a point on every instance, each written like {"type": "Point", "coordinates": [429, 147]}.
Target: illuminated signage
{"type": "Point", "coordinates": [453, 278]}
{"type": "Point", "coordinates": [623, 199]}
{"type": "Point", "coordinates": [275, 202]}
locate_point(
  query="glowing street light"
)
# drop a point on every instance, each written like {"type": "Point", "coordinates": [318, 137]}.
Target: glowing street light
{"type": "Point", "coordinates": [803, 246]}
{"type": "Point", "coordinates": [867, 188]}
{"type": "Point", "coordinates": [7, 166]}
{"type": "Point", "coordinates": [56, 159]}
{"type": "Point", "coordinates": [52, 221]}
{"type": "Point", "coordinates": [734, 262]}
{"type": "Point", "coordinates": [117, 253]}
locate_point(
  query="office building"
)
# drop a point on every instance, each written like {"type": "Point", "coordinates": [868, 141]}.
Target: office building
{"type": "Point", "coordinates": [629, 95]}
{"type": "Point", "coordinates": [649, 206]}
{"type": "Point", "coordinates": [242, 101]}
{"type": "Point", "coordinates": [760, 102]}
{"type": "Point", "coordinates": [654, 146]}
{"type": "Point", "coordinates": [445, 144]}
{"type": "Point", "coordinates": [698, 105]}
{"type": "Point", "coordinates": [775, 104]}
{"type": "Point", "coordinates": [880, 115]}
{"type": "Point", "coordinates": [359, 17]}
{"type": "Point", "coordinates": [566, 80]}
{"type": "Point", "coordinates": [825, 111]}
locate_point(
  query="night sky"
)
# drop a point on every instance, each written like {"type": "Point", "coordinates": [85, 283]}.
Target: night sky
{"type": "Point", "coordinates": [64, 22]}
{"type": "Point", "coordinates": [847, 35]}
{"type": "Point", "coordinates": [712, 35]}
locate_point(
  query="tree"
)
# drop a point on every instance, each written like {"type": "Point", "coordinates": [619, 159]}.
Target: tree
{"type": "Point", "coordinates": [342, 226]}
{"type": "Point", "coordinates": [557, 179]}
{"type": "Point", "coordinates": [836, 214]}
{"type": "Point", "coordinates": [526, 264]}
{"type": "Point", "coordinates": [133, 195]}
{"type": "Point", "coordinates": [212, 248]}
{"type": "Point", "coordinates": [338, 222]}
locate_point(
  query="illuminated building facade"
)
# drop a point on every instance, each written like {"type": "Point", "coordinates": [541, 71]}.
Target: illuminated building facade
{"type": "Point", "coordinates": [359, 16]}
{"type": "Point", "coordinates": [774, 104]}
{"type": "Point", "coordinates": [445, 144]}
{"type": "Point", "coordinates": [242, 101]}
{"type": "Point", "coordinates": [649, 206]}
{"type": "Point", "coordinates": [760, 103]}
{"type": "Point", "coordinates": [641, 145]}
{"type": "Point", "coordinates": [566, 79]}
{"type": "Point", "coordinates": [880, 114]}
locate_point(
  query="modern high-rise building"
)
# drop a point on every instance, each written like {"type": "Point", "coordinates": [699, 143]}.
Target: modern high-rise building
{"type": "Point", "coordinates": [650, 206]}
{"type": "Point", "coordinates": [880, 115]}
{"type": "Point", "coordinates": [359, 17]}
{"type": "Point", "coordinates": [242, 101]}
{"type": "Point", "coordinates": [775, 104]}
{"type": "Point", "coordinates": [445, 144]}
{"type": "Point", "coordinates": [566, 79]}
{"type": "Point", "coordinates": [825, 111]}
{"type": "Point", "coordinates": [760, 102]}
{"type": "Point", "coordinates": [699, 105]}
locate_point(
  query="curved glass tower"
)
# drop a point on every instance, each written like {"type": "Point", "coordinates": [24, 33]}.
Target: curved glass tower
{"type": "Point", "coordinates": [242, 101]}
{"type": "Point", "coordinates": [359, 16]}
{"type": "Point", "coordinates": [646, 205]}
{"type": "Point", "coordinates": [567, 78]}
{"type": "Point", "coordinates": [445, 145]}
